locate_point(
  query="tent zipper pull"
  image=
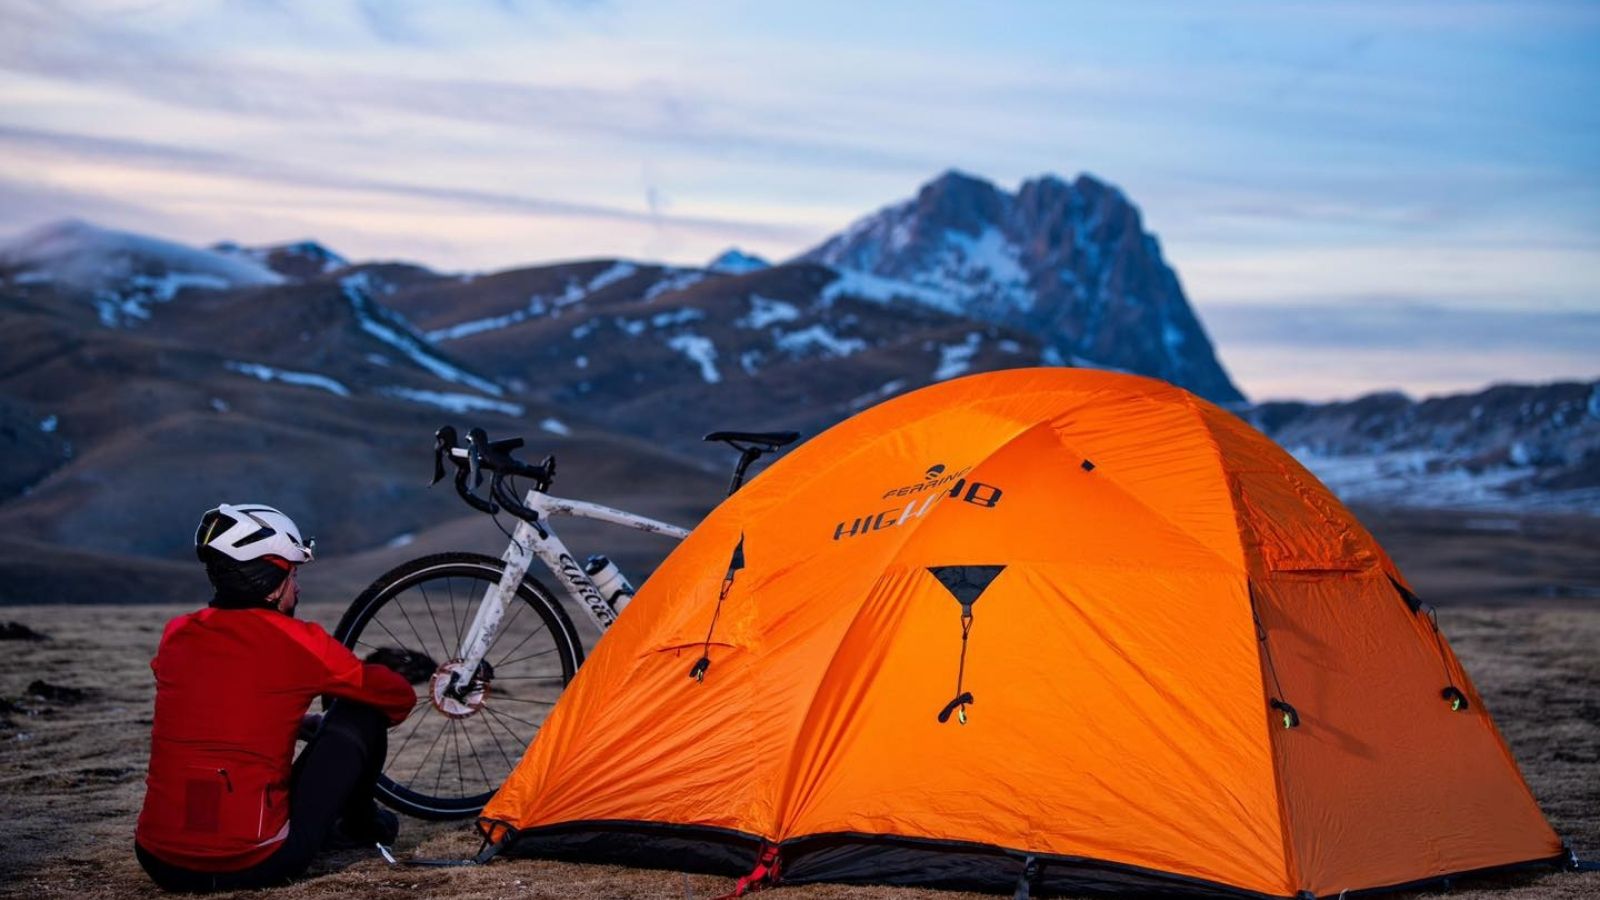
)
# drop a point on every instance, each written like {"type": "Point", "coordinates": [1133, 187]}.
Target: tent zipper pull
{"type": "Point", "coordinates": [735, 563]}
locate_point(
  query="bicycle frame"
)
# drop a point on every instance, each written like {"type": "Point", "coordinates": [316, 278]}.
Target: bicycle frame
{"type": "Point", "coordinates": [530, 541]}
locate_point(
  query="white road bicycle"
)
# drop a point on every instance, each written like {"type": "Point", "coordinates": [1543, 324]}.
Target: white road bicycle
{"type": "Point", "coordinates": [498, 642]}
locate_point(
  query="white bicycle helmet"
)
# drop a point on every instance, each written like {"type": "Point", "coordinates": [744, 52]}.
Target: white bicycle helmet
{"type": "Point", "coordinates": [251, 531]}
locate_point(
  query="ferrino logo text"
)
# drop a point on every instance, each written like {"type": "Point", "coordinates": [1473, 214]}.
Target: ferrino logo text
{"type": "Point", "coordinates": [937, 484]}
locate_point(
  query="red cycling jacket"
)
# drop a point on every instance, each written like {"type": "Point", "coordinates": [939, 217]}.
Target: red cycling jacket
{"type": "Point", "coordinates": [231, 687]}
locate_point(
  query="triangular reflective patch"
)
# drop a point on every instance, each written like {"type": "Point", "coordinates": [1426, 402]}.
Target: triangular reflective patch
{"type": "Point", "coordinates": [966, 583]}
{"type": "Point", "coordinates": [737, 562]}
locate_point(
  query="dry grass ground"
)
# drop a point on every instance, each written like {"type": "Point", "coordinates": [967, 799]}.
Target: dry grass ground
{"type": "Point", "coordinates": [71, 775]}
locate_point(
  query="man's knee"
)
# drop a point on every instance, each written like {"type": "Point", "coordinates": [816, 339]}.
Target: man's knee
{"type": "Point", "coordinates": [356, 721]}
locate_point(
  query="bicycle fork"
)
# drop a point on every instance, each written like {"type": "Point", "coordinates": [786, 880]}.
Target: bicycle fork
{"type": "Point", "coordinates": [527, 542]}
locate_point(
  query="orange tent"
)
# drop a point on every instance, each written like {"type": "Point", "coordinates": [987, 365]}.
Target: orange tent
{"type": "Point", "coordinates": [1055, 628]}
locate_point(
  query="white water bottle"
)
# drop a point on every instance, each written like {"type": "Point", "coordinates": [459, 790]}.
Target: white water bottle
{"type": "Point", "coordinates": [609, 581]}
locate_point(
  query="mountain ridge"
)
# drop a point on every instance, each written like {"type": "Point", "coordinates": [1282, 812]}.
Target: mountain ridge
{"type": "Point", "coordinates": [1067, 262]}
{"type": "Point", "coordinates": [625, 362]}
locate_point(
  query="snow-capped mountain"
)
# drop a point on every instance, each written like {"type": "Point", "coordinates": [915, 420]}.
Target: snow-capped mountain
{"type": "Point", "coordinates": [296, 260]}
{"type": "Point", "coordinates": [626, 363]}
{"type": "Point", "coordinates": [1508, 447]}
{"type": "Point", "coordinates": [1067, 262]}
{"type": "Point", "coordinates": [120, 272]}
{"type": "Point", "coordinates": [734, 261]}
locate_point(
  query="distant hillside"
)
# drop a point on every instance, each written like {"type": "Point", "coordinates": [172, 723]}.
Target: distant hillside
{"type": "Point", "coordinates": [1508, 447]}
{"type": "Point", "coordinates": [142, 381]}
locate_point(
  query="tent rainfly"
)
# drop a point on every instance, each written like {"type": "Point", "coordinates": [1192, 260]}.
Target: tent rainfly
{"type": "Point", "coordinates": [1047, 629]}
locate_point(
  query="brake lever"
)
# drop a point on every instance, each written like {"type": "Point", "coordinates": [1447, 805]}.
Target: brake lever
{"type": "Point", "coordinates": [473, 500]}
{"type": "Point", "coordinates": [444, 440]}
{"type": "Point", "coordinates": [477, 439]}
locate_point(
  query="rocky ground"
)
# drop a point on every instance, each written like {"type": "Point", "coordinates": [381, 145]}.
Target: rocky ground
{"type": "Point", "coordinates": [1517, 598]}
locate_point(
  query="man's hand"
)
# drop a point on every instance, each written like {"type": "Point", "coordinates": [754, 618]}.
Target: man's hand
{"type": "Point", "coordinates": [414, 666]}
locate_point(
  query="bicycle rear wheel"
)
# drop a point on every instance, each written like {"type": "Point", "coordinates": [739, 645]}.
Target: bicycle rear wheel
{"type": "Point", "coordinates": [448, 758]}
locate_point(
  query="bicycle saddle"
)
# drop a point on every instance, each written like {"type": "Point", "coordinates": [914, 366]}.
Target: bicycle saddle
{"type": "Point", "coordinates": [771, 439]}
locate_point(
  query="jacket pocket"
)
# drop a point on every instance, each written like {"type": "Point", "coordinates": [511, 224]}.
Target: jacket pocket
{"type": "Point", "coordinates": [217, 801]}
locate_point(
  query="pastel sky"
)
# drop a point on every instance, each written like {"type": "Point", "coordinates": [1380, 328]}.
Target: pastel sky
{"type": "Point", "coordinates": [1356, 196]}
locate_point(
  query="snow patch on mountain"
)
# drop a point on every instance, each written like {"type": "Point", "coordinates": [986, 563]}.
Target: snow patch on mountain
{"type": "Point", "coordinates": [674, 280]}
{"type": "Point", "coordinates": [1414, 478]}
{"type": "Point", "coordinates": [766, 311]}
{"type": "Point", "coordinates": [956, 359]}
{"type": "Point", "coordinates": [295, 258]}
{"type": "Point", "coordinates": [387, 326]}
{"type": "Point", "coordinates": [456, 403]}
{"type": "Point", "coordinates": [701, 351]}
{"type": "Point", "coordinates": [988, 263]}
{"type": "Point", "coordinates": [681, 316]}
{"type": "Point", "coordinates": [125, 273]}
{"type": "Point", "coordinates": [548, 305]}
{"type": "Point", "coordinates": [86, 255]}
{"type": "Point", "coordinates": [877, 289]}
{"type": "Point", "coordinates": [617, 272]}
{"type": "Point", "coordinates": [734, 261]}
{"type": "Point", "coordinates": [475, 326]}
{"type": "Point", "coordinates": [299, 379]}
{"type": "Point", "coordinates": [819, 339]}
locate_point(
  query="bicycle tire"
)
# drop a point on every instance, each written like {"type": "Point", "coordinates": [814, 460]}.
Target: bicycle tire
{"type": "Point", "coordinates": [509, 739]}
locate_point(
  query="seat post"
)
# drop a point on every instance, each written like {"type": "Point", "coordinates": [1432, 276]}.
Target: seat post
{"type": "Point", "coordinates": [746, 457]}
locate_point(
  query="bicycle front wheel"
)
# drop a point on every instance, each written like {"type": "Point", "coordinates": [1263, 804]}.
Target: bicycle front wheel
{"type": "Point", "coordinates": [450, 755]}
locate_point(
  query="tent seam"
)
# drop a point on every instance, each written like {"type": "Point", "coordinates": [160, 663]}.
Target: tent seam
{"type": "Point", "coordinates": [1286, 829]}
{"type": "Point", "coordinates": [1290, 858]}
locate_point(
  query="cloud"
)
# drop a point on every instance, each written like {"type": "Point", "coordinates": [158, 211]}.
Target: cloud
{"type": "Point", "coordinates": [54, 43]}
{"type": "Point", "coordinates": [1327, 351]}
{"type": "Point", "coordinates": [118, 151]}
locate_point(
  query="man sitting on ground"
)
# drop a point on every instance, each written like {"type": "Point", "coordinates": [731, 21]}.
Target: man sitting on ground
{"type": "Point", "coordinates": [224, 808]}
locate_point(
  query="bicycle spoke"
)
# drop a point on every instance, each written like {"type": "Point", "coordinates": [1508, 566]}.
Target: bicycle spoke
{"type": "Point", "coordinates": [467, 609]}
{"type": "Point", "coordinates": [503, 698]}
{"type": "Point", "coordinates": [392, 636]}
{"type": "Point", "coordinates": [517, 738]}
{"type": "Point", "coordinates": [530, 637]}
{"type": "Point", "coordinates": [426, 756]}
{"type": "Point", "coordinates": [505, 627]}
{"type": "Point", "coordinates": [488, 725]}
{"type": "Point", "coordinates": [529, 656]}
{"type": "Point", "coordinates": [444, 757]}
{"type": "Point", "coordinates": [553, 679]}
{"type": "Point", "coordinates": [508, 716]}
{"type": "Point", "coordinates": [395, 754]}
{"type": "Point", "coordinates": [455, 621]}
{"type": "Point", "coordinates": [467, 733]}
{"type": "Point", "coordinates": [449, 652]}
{"type": "Point", "coordinates": [461, 778]}
{"type": "Point", "coordinates": [421, 644]}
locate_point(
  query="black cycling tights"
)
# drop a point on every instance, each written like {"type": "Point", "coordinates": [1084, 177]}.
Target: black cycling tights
{"type": "Point", "coordinates": [332, 779]}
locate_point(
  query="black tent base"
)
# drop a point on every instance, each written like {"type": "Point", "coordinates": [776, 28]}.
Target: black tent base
{"type": "Point", "coordinates": [898, 861]}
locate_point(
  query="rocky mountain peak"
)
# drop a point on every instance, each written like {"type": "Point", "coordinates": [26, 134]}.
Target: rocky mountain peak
{"type": "Point", "coordinates": [960, 202]}
{"type": "Point", "coordinates": [1068, 262]}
